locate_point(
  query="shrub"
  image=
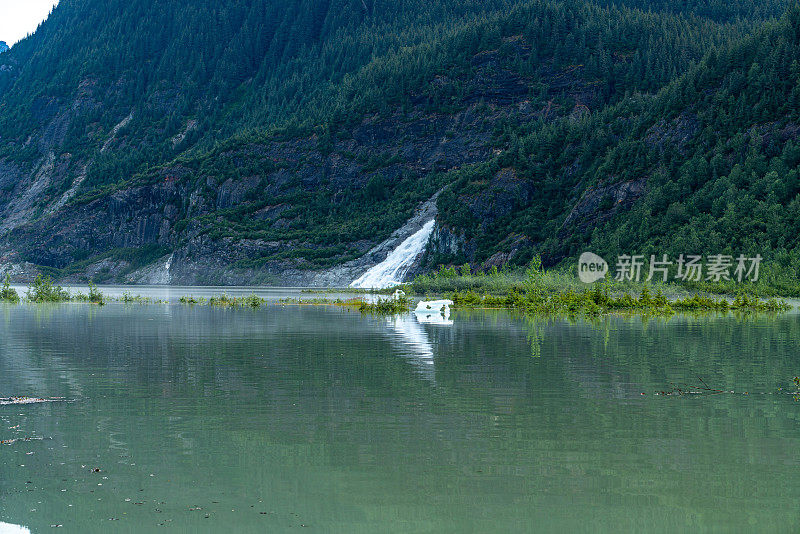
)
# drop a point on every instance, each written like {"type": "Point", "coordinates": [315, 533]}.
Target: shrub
{"type": "Point", "coordinates": [43, 290]}
{"type": "Point", "coordinates": [95, 296]}
{"type": "Point", "coordinates": [7, 294]}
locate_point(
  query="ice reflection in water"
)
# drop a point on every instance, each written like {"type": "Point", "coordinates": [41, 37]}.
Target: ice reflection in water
{"type": "Point", "coordinates": [436, 317]}
{"type": "Point", "coordinates": [409, 327]}
{"type": "Point", "coordinates": [6, 528]}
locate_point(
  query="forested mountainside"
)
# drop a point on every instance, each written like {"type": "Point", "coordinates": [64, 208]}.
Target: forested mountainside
{"type": "Point", "coordinates": [263, 142]}
{"type": "Point", "coordinates": [710, 163]}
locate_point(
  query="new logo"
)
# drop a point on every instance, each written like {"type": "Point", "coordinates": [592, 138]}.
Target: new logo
{"type": "Point", "coordinates": [591, 268]}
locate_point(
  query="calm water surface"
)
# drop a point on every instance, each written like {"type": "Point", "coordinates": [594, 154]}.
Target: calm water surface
{"type": "Point", "coordinates": [319, 419]}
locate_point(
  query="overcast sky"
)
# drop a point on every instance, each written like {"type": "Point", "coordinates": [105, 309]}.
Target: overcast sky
{"type": "Point", "coordinates": [18, 18]}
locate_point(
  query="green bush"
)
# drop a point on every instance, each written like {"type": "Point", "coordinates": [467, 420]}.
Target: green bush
{"type": "Point", "coordinates": [7, 294]}
{"type": "Point", "coordinates": [43, 290]}
{"type": "Point", "coordinates": [95, 296]}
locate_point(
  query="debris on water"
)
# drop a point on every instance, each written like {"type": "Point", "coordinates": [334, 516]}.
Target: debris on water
{"type": "Point", "coordinates": [8, 401]}
{"type": "Point", "coordinates": [19, 440]}
{"type": "Point", "coordinates": [705, 389]}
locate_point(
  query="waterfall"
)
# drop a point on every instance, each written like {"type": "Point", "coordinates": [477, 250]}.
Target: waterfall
{"type": "Point", "coordinates": [393, 270]}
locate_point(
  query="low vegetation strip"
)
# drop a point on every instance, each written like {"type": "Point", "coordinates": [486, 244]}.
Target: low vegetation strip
{"type": "Point", "coordinates": [43, 290]}
{"type": "Point", "coordinates": [389, 306]}
{"type": "Point", "coordinates": [225, 301]}
{"type": "Point", "coordinates": [773, 283]}
{"type": "Point", "coordinates": [598, 301]}
{"type": "Point", "coordinates": [555, 292]}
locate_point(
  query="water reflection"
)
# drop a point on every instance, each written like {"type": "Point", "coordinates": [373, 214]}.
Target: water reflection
{"type": "Point", "coordinates": [435, 317]}
{"type": "Point", "coordinates": [323, 417]}
{"type": "Point", "coordinates": [416, 339]}
{"type": "Point", "coordinates": [7, 528]}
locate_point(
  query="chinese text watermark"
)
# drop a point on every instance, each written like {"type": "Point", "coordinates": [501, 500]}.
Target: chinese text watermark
{"type": "Point", "coordinates": [686, 267]}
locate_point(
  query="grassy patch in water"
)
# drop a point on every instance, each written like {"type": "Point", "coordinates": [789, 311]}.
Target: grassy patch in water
{"type": "Point", "coordinates": [380, 307]}
{"type": "Point", "coordinates": [43, 290]}
{"type": "Point", "coordinates": [600, 300]}
{"type": "Point", "coordinates": [225, 301]}
{"type": "Point", "coordinates": [94, 296]}
{"type": "Point", "coordinates": [551, 292]}
{"type": "Point", "coordinates": [775, 281]}
{"type": "Point", "coordinates": [385, 306]}
{"type": "Point", "coordinates": [129, 298]}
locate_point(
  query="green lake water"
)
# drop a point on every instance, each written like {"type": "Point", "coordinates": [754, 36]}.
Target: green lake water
{"type": "Point", "coordinates": [316, 419]}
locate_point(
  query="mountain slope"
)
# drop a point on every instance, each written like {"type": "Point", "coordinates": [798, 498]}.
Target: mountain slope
{"type": "Point", "coordinates": [245, 142]}
{"type": "Point", "coordinates": [709, 165]}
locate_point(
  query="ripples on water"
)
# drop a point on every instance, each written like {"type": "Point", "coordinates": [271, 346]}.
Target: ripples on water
{"type": "Point", "coordinates": [266, 420]}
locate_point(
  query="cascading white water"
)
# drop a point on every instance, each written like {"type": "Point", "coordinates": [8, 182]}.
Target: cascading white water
{"type": "Point", "coordinates": [393, 270]}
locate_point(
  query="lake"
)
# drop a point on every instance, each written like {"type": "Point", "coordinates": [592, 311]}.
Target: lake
{"type": "Point", "coordinates": [319, 419]}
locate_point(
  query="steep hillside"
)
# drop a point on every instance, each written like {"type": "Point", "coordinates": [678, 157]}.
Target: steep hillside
{"type": "Point", "coordinates": [253, 142]}
{"type": "Point", "coordinates": [709, 165]}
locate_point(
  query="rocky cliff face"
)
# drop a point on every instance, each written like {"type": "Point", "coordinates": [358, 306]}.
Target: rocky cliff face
{"type": "Point", "coordinates": [129, 161]}
{"type": "Point", "coordinates": [185, 224]}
